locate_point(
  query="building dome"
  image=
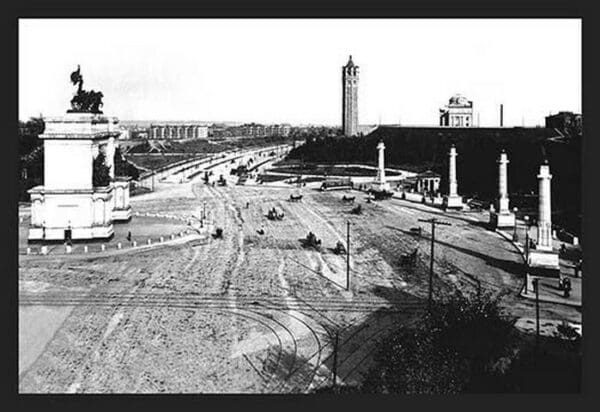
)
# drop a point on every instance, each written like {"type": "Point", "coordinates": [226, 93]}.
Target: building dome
{"type": "Point", "coordinates": [459, 99]}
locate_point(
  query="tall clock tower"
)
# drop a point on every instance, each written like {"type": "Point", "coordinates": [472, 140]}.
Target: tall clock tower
{"type": "Point", "coordinates": [350, 98]}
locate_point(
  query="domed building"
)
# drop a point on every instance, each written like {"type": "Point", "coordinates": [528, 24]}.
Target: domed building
{"type": "Point", "coordinates": [457, 113]}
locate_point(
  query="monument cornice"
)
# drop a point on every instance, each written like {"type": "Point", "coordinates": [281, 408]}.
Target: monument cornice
{"type": "Point", "coordinates": [80, 136]}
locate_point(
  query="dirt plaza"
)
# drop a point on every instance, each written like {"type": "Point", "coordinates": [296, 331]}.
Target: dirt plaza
{"type": "Point", "coordinates": [251, 312]}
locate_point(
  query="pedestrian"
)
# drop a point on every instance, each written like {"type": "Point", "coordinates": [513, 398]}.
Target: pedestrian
{"type": "Point", "coordinates": [247, 205]}
{"type": "Point", "coordinates": [129, 236]}
{"type": "Point", "coordinates": [567, 287]}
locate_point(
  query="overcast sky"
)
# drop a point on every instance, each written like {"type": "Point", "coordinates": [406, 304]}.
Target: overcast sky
{"type": "Point", "coordinates": [274, 71]}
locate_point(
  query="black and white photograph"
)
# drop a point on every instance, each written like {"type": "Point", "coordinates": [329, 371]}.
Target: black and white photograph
{"type": "Point", "coordinates": [300, 206]}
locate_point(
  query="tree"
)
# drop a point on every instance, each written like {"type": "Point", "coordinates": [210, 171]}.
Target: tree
{"type": "Point", "coordinates": [451, 349]}
{"type": "Point", "coordinates": [124, 168]}
{"type": "Point", "coordinates": [100, 172]}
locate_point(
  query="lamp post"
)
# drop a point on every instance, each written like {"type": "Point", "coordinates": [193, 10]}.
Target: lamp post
{"type": "Point", "coordinates": [526, 239]}
{"type": "Point", "coordinates": [515, 236]}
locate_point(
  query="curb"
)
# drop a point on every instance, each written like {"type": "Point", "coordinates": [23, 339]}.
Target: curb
{"type": "Point", "coordinates": [115, 251]}
{"type": "Point", "coordinates": [549, 300]}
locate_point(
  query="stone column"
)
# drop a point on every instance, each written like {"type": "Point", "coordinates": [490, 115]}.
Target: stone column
{"type": "Point", "coordinates": [501, 216]}
{"type": "Point", "coordinates": [502, 183]}
{"type": "Point", "coordinates": [453, 200]}
{"type": "Point", "coordinates": [381, 164]}
{"type": "Point", "coordinates": [453, 189]}
{"type": "Point", "coordinates": [544, 241]}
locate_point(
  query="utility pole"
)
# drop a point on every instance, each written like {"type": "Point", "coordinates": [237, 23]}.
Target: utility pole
{"type": "Point", "coordinates": [335, 350]}
{"type": "Point", "coordinates": [433, 222]}
{"type": "Point", "coordinates": [348, 256]}
{"type": "Point", "coordinates": [536, 287]}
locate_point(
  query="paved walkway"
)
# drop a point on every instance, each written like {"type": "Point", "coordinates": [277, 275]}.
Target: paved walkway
{"type": "Point", "coordinates": [145, 228]}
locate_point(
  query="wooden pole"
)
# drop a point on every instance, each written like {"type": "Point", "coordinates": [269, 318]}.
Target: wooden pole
{"type": "Point", "coordinates": [433, 222]}
{"type": "Point", "coordinates": [536, 286]}
{"type": "Point", "coordinates": [335, 350]}
{"type": "Point", "coordinates": [348, 256]}
{"type": "Point", "coordinates": [430, 299]}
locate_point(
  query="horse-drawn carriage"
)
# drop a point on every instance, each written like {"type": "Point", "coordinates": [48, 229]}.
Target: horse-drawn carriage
{"type": "Point", "coordinates": [380, 194]}
{"type": "Point", "coordinates": [311, 241]}
{"type": "Point", "coordinates": [295, 198]}
{"type": "Point", "coordinates": [416, 230]}
{"type": "Point", "coordinates": [273, 214]}
{"type": "Point", "coordinates": [409, 259]}
{"type": "Point", "coordinates": [222, 181]}
{"type": "Point", "coordinates": [356, 210]}
{"type": "Point", "coordinates": [218, 234]}
{"type": "Point", "coordinates": [340, 249]}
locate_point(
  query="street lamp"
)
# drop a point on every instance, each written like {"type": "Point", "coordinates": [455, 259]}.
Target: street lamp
{"type": "Point", "coordinates": [515, 236]}
{"type": "Point", "coordinates": [526, 218]}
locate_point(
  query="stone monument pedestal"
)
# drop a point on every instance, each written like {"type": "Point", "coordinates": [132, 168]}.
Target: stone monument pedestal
{"type": "Point", "coordinates": [540, 272]}
{"type": "Point", "coordinates": [381, 187]}
{"type": "Point", "coordinates": [68, 206]}
{"type": "Point", "coordinates": [543, 259]}
{"type": "Point", "coordinates": [502, 220]}
{"type": "Point", "coordinates": [453, 202]}
{"type": "Point", "coordinates": [121, 207]}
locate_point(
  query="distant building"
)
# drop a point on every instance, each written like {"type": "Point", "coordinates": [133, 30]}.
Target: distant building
{"type": "Point", "coordinates": [178, 131]}
{"type": "Point", "coordinates": [250, 130]}
{"type": "Point", "coordinates": [564, 120]}
{"type": "Point", "coordinates": [427, 182]}
{"type": "Point", "coordinates": [457, 113]}
{"type": "Point", "coordinates": [350, 98]}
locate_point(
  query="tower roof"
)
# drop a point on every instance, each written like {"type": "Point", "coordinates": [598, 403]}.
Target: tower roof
{"type": "Point", "coordinates": [350, 62]}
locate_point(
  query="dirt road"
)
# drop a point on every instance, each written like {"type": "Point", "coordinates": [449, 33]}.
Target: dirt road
{"type": "Point", "coordinates": [253, 312]}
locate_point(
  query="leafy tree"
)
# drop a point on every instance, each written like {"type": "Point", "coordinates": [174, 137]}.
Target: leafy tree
{"type": "Point", "coordinates": [31, 155]}
{"type": "Point", "coordinates": [124, 168]}
{"type": "Point", "coordinates": [451, 349]}
{"type": "Point", "coordinates": [100, 171]}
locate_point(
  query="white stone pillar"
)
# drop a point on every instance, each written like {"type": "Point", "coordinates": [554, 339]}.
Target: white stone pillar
{"type": "Point", "coordinates": [503, 184]}
{"type": "Point", "coordinates": [544, 241]}
{"type": "Point", "coordinates": [381, 164]}
{"type": "Point", "coordinates": [110, 156]}
{"type": "Point", "coordinates": [502, 217]}
{"type": "Point", "coordinates": [453, 200]}
{"type": "Point", "coordinates": [453, 189]}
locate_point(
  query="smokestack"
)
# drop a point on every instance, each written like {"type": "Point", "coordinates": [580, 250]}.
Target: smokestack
{"type": "Point", "coordinates": [501, 115]}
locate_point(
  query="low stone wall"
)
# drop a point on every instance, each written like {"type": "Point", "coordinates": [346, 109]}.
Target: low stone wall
{"type": "Point", "coordinates": [202, 229]}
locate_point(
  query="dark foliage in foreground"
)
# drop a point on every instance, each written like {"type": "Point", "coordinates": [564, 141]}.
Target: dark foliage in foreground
{"type": "Point", "coordinates": [467, 346]}
{"type": "Point", "coordinates": [459, 342]}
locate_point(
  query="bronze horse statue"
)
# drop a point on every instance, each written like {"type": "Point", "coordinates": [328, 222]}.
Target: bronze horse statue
{"type": "Point", "coordinates": [84, 101]}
